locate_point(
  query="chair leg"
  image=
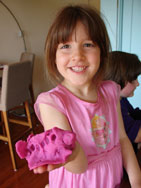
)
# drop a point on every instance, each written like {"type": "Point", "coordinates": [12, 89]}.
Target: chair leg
{"type": "Point", "coordinates": [32, 94]}
{"type": "Point", "coordinates": [9, 140]}
{"type": "Point", "coordinates": [28, 114]}
{"type": "Point", "coordinates": [2, 122]}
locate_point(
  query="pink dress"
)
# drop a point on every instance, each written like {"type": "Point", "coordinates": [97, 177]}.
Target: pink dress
{"type": "Point", "coordinates": [96, 128]}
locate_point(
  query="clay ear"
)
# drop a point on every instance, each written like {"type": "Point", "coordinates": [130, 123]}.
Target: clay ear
{"type": "Point", "coordinates": [21, 149]}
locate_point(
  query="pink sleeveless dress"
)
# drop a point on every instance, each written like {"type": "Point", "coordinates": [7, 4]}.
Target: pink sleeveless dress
{"type": "Point", "coordinates": [96, 128]}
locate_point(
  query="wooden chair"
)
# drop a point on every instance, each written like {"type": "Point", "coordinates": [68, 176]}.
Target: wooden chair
{"type": "Point", "coordinates": [16, 79]}
{"type": "Point", "coordinates": [27, 56]}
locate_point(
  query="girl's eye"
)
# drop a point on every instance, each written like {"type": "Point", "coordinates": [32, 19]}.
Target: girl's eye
{"type": "Point", "coordinates": [89, 45]}
{"type": "Point", "coordinates": [65, 46]}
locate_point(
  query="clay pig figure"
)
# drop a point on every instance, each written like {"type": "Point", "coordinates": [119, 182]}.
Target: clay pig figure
{"type": "Point", "coordinates": [53, 146]}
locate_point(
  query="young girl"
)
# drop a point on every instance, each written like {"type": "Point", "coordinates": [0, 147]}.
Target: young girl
{"type": "Point", "coordinates": [77, 50]}
{"type": "Point", "coordinates": [124, 68]}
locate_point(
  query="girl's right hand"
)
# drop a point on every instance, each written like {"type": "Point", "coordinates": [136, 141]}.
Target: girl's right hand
{"type": "Point", "coordinates": [46, 168]}
{"type": "Point", "coordinates": [40, 170]}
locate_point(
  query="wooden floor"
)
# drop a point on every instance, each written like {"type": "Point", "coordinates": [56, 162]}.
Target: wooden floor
{"type": "Point", "coordinates": [23, 178]}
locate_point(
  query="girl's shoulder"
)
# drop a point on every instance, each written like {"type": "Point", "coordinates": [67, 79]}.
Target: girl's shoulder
{"type": "Point", "coordinates": [109, 84]}
{"type": "Point", "coordinates": [53, 97]}
{"type": "Point", "coordinates": [49, 96]}
{"type": "Point", "coordinates": [110, 89]}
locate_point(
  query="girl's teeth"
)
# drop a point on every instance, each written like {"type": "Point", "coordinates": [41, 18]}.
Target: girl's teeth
{"type": "Point", "coordinates": [78, 69]}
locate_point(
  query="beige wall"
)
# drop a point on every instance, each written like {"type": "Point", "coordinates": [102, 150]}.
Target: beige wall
{"type": "Point", "coordinates": [34, 17]}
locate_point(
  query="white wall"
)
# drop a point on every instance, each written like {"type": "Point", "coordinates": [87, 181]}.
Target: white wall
{"type": "Point", "coordinates": [109, 10]}
{"type": "Point", "coordinates": [132, 37]}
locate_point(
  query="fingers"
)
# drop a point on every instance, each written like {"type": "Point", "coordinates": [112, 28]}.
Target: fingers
{"type": "Point", "coordinates": [40, 170]}
{"type": "Point", "coordinates": [45, 168]}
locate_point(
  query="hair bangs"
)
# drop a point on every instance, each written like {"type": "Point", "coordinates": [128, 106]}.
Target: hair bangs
{"type": "Point", "coordinates": [68, 22]}
{"type": "Point", "coordinates": [66, 25]}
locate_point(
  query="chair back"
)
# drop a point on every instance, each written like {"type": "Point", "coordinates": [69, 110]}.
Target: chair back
{"type": "Point", "coordinates": [28, 56]}
{"type": "Point", "coordinates": [15, 84]}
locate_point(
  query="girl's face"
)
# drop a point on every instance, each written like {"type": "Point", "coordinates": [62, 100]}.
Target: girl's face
{"type": "Point", "coordinates": [128, 90]}
{"type": "Point", "coordinates": [78, 59]}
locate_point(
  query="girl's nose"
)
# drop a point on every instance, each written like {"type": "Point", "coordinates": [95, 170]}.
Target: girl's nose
{"type": "Point", "coordinates": [77, 54]}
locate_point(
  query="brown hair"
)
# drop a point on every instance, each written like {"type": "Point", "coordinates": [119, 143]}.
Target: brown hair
{"type": "Point", "coordinates": [62, 28]}
{"type": "Point", "coordinates": [123, 67]}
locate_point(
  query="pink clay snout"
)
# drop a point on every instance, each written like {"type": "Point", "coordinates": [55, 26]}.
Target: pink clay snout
{"type": "Point", "coordinates": [53, 146]}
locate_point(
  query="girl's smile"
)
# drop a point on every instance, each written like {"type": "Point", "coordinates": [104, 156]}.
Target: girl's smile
{"type": "Point", "coordinates": [78, 69]}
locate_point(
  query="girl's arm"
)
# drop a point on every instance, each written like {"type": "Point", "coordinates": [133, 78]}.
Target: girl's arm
{"type": "Point", "coordinates": [129, 159]}
{"type": "Point", "coordinates": [77, 162]}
